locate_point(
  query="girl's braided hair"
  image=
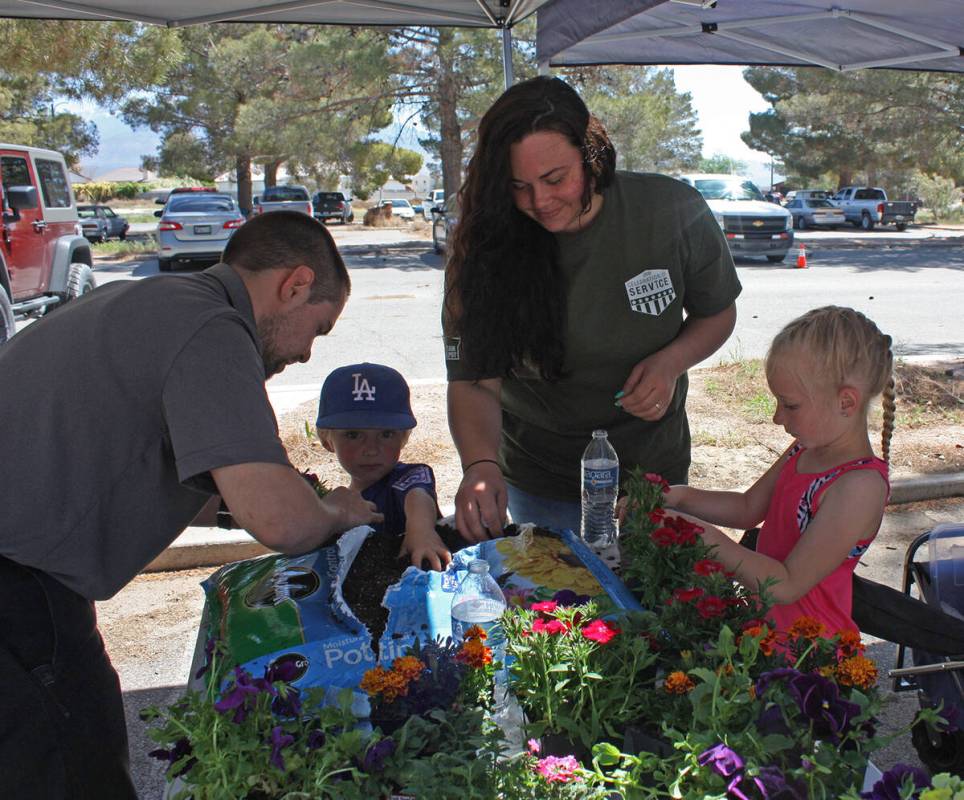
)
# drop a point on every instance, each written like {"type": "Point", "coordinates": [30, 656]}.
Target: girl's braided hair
{"type": "Point", "coordinates": [846, 348]}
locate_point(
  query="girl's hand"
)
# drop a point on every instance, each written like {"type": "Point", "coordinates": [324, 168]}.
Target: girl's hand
{"type": "Point", "coordinates": [622, 508]}
{"type": "Point", "coordinates": [424, 546]}
{"type": "Point", "coordinates": [649, 389]}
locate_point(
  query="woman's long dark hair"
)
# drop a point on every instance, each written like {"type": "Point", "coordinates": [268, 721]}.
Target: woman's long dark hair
{"type": "Point", "coordinates": [505, 295]}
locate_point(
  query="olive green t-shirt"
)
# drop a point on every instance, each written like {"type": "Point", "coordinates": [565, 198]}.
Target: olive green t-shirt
{"type": "Point", "coordinates": [653, 251]}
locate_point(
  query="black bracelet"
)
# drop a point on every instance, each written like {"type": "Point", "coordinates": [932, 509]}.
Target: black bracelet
{"type": "Point", "coordinates": [467, 467]}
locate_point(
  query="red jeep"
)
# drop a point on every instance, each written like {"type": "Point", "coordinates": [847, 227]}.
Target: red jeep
{"type": "Point", "coordinates": [44, 259]}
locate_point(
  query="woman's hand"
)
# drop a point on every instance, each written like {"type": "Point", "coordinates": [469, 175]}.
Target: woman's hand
{"type": "Point", "coordinates": [480, 502]}
{"type": "Point", "coordinates": [649, 389]}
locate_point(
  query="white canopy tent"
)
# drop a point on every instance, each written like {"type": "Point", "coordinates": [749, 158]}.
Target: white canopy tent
{"type": "Point", "coordinates": [498, 14]}
{"type": "Point", "coordinates": [842, 35]}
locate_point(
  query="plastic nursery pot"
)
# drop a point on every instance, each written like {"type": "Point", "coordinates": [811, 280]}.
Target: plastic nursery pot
{"type": "Point", "coordinates": [559, 744]}
{"type": "Point", "coordinates": [637, 739]}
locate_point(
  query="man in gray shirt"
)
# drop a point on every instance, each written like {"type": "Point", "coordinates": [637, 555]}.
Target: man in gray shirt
{"type": "Point", "coordinates": [122, 416]}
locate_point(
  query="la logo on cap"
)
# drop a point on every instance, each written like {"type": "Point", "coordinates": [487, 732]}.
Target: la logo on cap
{"type": "Point", "coordinates": [363, 390]}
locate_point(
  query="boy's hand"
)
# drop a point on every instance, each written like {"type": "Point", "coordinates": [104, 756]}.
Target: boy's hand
{"type": "Point", "coordinates": [426, 546]}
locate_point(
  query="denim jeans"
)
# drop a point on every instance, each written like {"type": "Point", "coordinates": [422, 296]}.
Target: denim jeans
{"type": "Point", "coordinates": [544, 511]}
{"type": "Point", "coordinates": [62, 729]}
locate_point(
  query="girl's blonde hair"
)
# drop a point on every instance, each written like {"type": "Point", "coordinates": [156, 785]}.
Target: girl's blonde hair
{"type": "Point", "coordinates": [845, 348]}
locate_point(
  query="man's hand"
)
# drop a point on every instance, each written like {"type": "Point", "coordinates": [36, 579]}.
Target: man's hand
{"type": "Point", "coordinates": [422, 546]}
{"type": "Point", "coordinates": [480, 502]}
{"type": "Point", "coordinates": [350, 509]}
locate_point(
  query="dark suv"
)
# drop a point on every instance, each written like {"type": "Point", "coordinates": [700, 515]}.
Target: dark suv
{"type": "Point", "coordinates": [44, 258]}
{"type": "Point", "coordinates": [332, 205]}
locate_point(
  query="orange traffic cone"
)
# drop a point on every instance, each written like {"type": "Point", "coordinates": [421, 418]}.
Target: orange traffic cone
{"type": "Point", "coordinates": [801, 258]}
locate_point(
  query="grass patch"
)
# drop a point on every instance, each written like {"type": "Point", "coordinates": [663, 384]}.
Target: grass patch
{"type": "Point", "coordinates": [730, 441]}
{"type": "Point", "coordinates": [741, 387]}
{"type": "Point", "coordinates": [928, 394]}
{"type": "Point", "coordinates": [129, 247]}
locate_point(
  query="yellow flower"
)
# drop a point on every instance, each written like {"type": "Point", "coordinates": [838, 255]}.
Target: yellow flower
{"type": "Point", "coordinates": [678, 683]}
{"type": "Point", "coordinates": [857, 671]}
{"type": "Point", "coordinates": [373, 681]}
{"type": "Point", "coordinates": [806, 628]}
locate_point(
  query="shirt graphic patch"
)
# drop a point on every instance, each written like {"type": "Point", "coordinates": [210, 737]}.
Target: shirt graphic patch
{"type": "Point", "coordinates": [417, 476]}
{"type": "Point", "coordinates": [650, 292]}
{"type": "Point", "coordinates": [453, 347]}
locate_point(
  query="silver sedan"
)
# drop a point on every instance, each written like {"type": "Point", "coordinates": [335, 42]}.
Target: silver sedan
{"type": "Point", "coordinates": [195, 227]}
{"type": "Point", "coordinates": [813, 212]}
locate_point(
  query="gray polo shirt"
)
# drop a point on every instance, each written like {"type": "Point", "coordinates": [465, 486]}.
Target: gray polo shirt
{"type": "Point", "coordinates": [114, 409]}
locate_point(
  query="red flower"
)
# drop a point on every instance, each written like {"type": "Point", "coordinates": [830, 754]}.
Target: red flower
{"type": "Point", "coordinates": [685, 595]}
{"type": "Point", "coordinates": [707, 566]}
{"type": "Point", "coordinates": [553, 627]}
{"type": "Point", "coordinates": [546, 607]}
{"type": "Point", "coordinates": [663, 537]}
{"type": "Point", "coordinates": [711, 606]}
{"type": "Point", "coordinates": [654, 477]}
{"type": "Point", "coordinates": [600, 631]}
{"type": "Point", "coordinates": [656, 515]}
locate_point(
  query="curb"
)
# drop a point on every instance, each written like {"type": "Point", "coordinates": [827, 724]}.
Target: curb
{"type": "Point", "coordinates": [878, 244]}
{"type": "Point", "coordinates": [212, 547]}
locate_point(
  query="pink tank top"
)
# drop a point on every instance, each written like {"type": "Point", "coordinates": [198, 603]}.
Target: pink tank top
{"type": "Point", "coordinates": [795, 502]}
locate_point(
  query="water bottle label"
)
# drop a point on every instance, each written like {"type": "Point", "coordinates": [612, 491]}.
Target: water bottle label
{"type": "Point", "coordinates": [600, 478]}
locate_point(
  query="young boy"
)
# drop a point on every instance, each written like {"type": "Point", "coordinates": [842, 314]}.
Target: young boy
{"type": "Point", "coordinates": [365, 418]}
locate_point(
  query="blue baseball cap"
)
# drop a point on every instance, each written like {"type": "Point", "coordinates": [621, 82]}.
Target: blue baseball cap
{"type": "Point", "coordinates": [365, 396]}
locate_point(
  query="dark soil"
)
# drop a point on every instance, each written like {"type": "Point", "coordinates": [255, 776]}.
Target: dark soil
{"type": "Point", "coordinates": [376, 567]}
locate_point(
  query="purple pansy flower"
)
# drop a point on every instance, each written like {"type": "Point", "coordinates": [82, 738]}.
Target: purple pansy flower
{"type": "Point", "coordinates": [279, 740]}
{"type": "Point", "coordinates": [316, 739]}
{"type": "Point", "coordinates": [287, 703]}
{"type": "Point", "coordinates": [777, 787]}
{"type": "Point", "coordinates": [208, 656]}
{"type": "Point", "coordinates": [567, 597]}
{"type": "Point", "coordinates": [244, 687]}
{"type": "Point", "coordinates": [282, 670]}
{"type": "Point", "coordinates": [181, 748]}
{"type": "Point", "coordinates": [722, 760]}
{"type": "Point", "coordinates": [374, 758]}
{"type": "Point", "coordinates": [819, 699]}
{"type": "Point", "coordinates": [743, 787]}
{"type": "Point", "coordinates": [889, 785]}
{"type": "Point", "coordinates": [771, 721]}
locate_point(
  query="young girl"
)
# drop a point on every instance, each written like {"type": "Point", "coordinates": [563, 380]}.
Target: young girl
{"type": "Point", "coordinates": [822, 502]}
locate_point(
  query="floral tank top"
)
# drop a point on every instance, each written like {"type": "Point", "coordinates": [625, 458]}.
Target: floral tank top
{"type": "Point", "coordinates": [795, 502]}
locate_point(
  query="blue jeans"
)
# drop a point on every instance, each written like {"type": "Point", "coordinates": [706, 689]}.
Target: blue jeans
{"type": "Point", "coordinates": [544, 511]}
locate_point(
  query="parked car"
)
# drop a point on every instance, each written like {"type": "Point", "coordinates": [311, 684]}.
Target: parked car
{"type": "Point", "coordinates": [444, 219]}
{"type": "Point", "coordinates": [195, 227]}
{"type": "Point", "coordinates": [44, 258]}
{"type": "Point", "coordinates": [283, 198]}
{"type": "Point", "coordinates": [866, 207]}
{"type": "Point", "coordinates": [400, 208]}
{"type": "Point", "coordinates": [186, 190]}
{"type": "Point", "coordinates": [332, 205]}
{"type": "Point", "coordinates": [817, 194]}
{"type": "Point", "coordinates": [100, 223]}
{"type": "Point", "coordinates": [814, 212]}
{"type": "Point", "coordinates": [751, 225]}
{"type": "Point", "coordinates": [432, 203]}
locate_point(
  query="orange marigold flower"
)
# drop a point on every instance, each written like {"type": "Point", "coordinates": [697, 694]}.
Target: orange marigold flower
{"type": "Point", "coordinates": [768, 640]}
{"type": "Point", "coordinates": [858, 671]}
{"type": "Point", "coordinates": [849, 644]}
{"type": "Point", "coordinates": [373, 681]}
{"type": "Point", "coordinates": [476, 632]}
{"type": "Point", "coordinates": [806, 628]}
{"type": "Point", "coordinates": [408, 666]}
{"type": "Point", "coordinates": [395, 685]}
{"type": "Point", "coordinates": [474, 653]}
{"type": "Point", "coordinates": [678, 683]}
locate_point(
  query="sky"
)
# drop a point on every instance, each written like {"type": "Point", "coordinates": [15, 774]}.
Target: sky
{"type": "Point", "coordinates": [722, 99]}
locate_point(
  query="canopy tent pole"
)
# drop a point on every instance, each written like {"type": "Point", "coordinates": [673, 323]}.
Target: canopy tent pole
{"type": "Point", "coordinates": [507, 56]}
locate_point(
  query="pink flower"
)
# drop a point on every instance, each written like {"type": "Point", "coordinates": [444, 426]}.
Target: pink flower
{"type": "Point", "coordinates": [546, 607]}
{"type": "Point", "coordinates": [559, 770]}
{"type": "Point", "coordinates": [653, 477]}
{"type": "Point", "coordinates": [600, 631]}
{"type": "Point", "coordinates": [534, 746]}
{"type": "Point", "coordinates": [685, 595]}
{"type": "Point", "coordinates": [712, 606]}
{"type": "Point", "coordinates": [707, 566]}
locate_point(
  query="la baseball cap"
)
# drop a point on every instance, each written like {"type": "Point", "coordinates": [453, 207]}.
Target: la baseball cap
{"type": "Point", "coordinates": [365, 396]}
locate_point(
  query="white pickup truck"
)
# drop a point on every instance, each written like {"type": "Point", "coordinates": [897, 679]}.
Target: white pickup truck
{"type": "Point", "coordinates": [866, 206]}
{"type": "Point", "coordinates": [283, 198]}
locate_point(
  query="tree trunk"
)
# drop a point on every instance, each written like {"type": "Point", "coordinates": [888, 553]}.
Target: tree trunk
{"type": "Point", "coordinates": [271, 173]}
{"type": "Point", "coordinates": [450, 130]}
{"type": "Point", "coordinates": [242, 167]}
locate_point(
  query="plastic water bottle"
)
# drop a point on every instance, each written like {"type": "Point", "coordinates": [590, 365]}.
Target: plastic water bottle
{"type": "Point", "coordinates": [600, 486]}
{"type": "Point", "coordinates": [478, 600]}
